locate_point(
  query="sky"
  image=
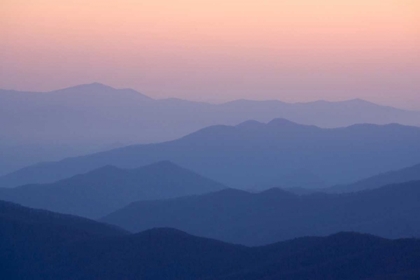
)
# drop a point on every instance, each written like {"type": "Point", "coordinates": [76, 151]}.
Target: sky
{"type": "Point", "coordinates": [218, 50]}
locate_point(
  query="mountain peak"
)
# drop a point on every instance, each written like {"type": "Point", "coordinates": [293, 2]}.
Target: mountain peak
{"type": "Point", "coordinates": [276, 192]}
{"type": "Point", "coordinates": [283, 122]}
{"type": "Point", "coordinates": [96, 84]}
{"type": "Point", "coordinates": [360, 102]}
{"type": "Point", "coordinates": [98, 90]}
{"type": "Point", "coordinates": [230, 192]}
{"type": "Point", "coordinates": [88, 87]}
{"type": "Point", "coordinates": [164, 232]}
{"type": "Point", "coordinates": [250, 124]}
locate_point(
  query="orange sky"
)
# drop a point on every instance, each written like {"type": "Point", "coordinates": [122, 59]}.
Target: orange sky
{"type": "Point", "coordinates": [217, 50]}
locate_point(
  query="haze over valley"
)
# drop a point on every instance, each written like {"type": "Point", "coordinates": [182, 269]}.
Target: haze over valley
{"type": "Point", "coordinates": [49, 126]}
{"type": "Point", "coordinates": [156, 173]}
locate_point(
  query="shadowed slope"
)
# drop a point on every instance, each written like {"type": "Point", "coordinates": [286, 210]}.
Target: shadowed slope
{"type": "Point", "coordinates": [393, 177]}
{"type": "Point", "coordinates": [109, 188]}
{"type": "Point", "coordinates": [255, 219]}
{"type": "Point", "coordinates": [34, 251]}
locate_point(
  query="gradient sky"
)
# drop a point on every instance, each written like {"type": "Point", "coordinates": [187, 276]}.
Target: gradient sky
{"type": "Point", "coordinates": [300, 50]}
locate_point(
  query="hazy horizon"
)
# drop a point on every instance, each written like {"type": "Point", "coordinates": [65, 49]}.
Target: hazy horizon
{"type": "Point", "coordinates": [294, 51]}
{"type": "Point", "coordinates": [216, 102]}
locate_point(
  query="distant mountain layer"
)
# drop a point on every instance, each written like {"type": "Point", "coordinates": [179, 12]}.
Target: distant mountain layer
{"type": "Point", "coordinates": [107, 189]}
{"type": "Point", "coordinates": [72, 225]}
{"type": "Point", "coordinates": [256, 219]}
{"type": "Point", "coordinates": [392, 177]}
{"type": "Point", "coordinates": [56, 246]}
{"type": "Point", "coordinates": [256, 155]}
{"type": "Point", "coordinates": [37, 127]}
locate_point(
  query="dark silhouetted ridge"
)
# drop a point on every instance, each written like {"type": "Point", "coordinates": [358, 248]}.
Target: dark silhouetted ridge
{"type": "Point", "coordinates": [41, 245]}
{"type": "Point", "coordinates": [35, 251]}
{"type": "Point", "coordinates": [14, 212]}
{"type": "Point", "coordinates": [273, 215]}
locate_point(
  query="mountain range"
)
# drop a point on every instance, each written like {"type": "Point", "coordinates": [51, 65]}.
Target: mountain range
{"type": "Point", "coordinates": [44, 245]}
{"type": "Point", "coordinates": [46, 126]}
{"type": "Point", "coordinates": [256, 155]}
{"type": "Point", "coordinates": [256, 219]}
{"type": "Point", "coordinates": [411, 173]}
{"type": "Point", "coordinates": [109, 188]}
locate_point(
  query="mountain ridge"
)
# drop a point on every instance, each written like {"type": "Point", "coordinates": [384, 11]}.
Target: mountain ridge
{"type": "Point", "coordinates": [108, 188]}
{"type": "Point", "coordinates": [274, 215]}
{"type": "Point", "coordinates": [256, 154]}
{"type": "Point", "coordinates": [411, 173]}
{"type": "Point", "coordinates": [58, 250]}
{"type": "Point", "coordinates": [49, 126]}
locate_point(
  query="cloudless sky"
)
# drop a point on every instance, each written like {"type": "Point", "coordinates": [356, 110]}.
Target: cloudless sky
{"type": "Point", "coordinates": [300, 50]}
